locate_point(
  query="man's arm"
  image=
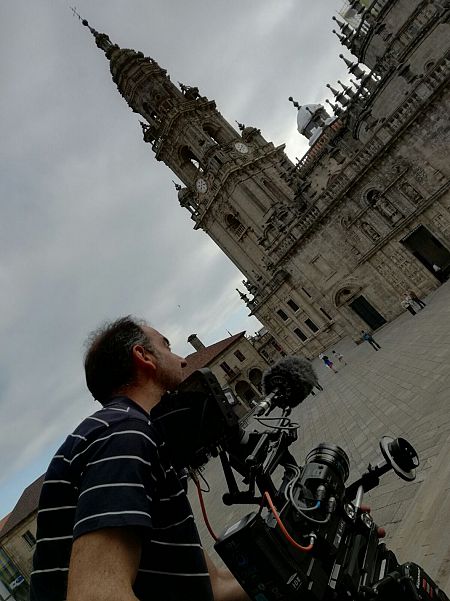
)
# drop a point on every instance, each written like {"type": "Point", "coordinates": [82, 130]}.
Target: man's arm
{"type": "Point", "coordinates": [103, 566]}
{"type": "Point", "coordinates": [224, 585]}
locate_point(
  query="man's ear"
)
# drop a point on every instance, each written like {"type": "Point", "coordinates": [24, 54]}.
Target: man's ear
{"type": "Point", "coordinates": [143, 357]}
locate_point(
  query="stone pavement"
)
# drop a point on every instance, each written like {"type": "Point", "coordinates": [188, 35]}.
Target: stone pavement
{"type": "Point", "coordinates": [401, 390]}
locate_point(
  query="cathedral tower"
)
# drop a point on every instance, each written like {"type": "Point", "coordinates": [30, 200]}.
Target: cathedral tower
{"type": "Point", "coordinates": [237, 186]}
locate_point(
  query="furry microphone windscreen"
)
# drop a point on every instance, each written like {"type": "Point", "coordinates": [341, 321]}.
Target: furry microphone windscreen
{"type": "Point", "coordinates": [293, 377]}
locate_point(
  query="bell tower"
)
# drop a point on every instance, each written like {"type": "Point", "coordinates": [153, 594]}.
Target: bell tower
{"type": "Point", "coordinates": [237, 185]}
{"type": "Point", "coordinates": [243, 191]}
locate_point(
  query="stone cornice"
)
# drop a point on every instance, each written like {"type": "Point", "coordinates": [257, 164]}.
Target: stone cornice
{"type": "Point", "coordinates": [230, 169]}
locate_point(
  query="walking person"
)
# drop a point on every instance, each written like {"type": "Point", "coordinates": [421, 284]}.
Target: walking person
{"type": "Point", "coordinates": [328, 362]}
{"type": "Point", "coordinates": [370, 339]}
{"type": "Point", "coordinates": [416, 299]}
{"type": "Point", "coordinates": [339, 357]}
{"type": "Point", "coordinates": [407, 303]}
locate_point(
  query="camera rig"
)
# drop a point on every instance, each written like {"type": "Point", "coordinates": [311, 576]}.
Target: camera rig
{"type": "Point", "coordinates": [309, 539]}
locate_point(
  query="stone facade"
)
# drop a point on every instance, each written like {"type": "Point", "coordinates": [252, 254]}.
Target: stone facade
{"type": "Point", "coordinates": [19, 545]}
{"type": "Point", "coordinates": [237, 363]}
{"type": "Point", "coordinates": [328, 245]}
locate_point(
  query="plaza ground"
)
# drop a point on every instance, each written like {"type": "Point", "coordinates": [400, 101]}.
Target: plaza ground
{"type": "Point", "coordinates": [401, 390]}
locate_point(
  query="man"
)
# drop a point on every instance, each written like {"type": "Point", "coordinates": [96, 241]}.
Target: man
{"type": "Point", "coordinates": [370, 339]}
{"type": "Point", "coordinates": [407, 303]}
{"type": "Point", "coordinates": [417, 300]}
{"type": "Point", "coordinates": [114, 521]}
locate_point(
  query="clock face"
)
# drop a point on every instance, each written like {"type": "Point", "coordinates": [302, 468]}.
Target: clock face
{"type": "Point", "coordinates": [201, 185]}
{"type": "Point", "coordinates": [241, 147]}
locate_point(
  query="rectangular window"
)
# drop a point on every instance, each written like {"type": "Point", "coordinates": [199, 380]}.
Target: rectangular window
{"type": "Point", "coordinates": [226, 368]}
{"type": "Point", "coordinates": [282, 314]}
{"type": "Point", "coordinates": [326, 314]}
{"type": "Point", "coordinates": [311, 325]}
{"type": "Point", "coordinates": [239, 355]}
{"type": "Point", "coordinates": [306, 292]}
{"type": "Point", "coordinates": [300, 334]}
{"type": "Point", "coordinates": [293, 305]}
{"type": "Point", "coordinates": [29, 538]}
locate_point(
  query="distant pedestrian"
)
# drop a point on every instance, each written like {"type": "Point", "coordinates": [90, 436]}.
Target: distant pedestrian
{"type": "Point", "coordinates": [407, 303]}
{"type": "Point", "coordinates": [416, 299]}
{"type": "Point", "coordinates": [328, 362]}
{"type": "Point", "coordinates": [436, 268]}
{"type": "Point", "coordinates": [370, 339]}
{"type": "Point", "coordinates": [339, 357]}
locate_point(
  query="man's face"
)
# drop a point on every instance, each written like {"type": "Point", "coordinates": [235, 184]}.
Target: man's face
{"type": "Point", "coordinates": [169, 371]}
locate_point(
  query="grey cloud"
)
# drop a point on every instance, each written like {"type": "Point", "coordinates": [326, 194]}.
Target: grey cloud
{"type": "Point", "coordinates": [90, 224]}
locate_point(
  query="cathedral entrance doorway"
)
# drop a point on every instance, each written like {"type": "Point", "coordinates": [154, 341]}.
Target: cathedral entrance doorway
{"type": "Point", "coordinates": [367, 312]}
{"type": "Point", "coordinates": [429, 251]}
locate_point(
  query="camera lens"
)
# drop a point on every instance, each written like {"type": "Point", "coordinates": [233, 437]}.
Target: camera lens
{"type": "Point", "coordinates": [331, 455]}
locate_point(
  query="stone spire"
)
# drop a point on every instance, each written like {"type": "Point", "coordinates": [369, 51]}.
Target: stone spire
{"type": "Point", "coordinates": [144, 85]}
{"type": "Point", "coordinates": [353, 68]}
{"type": "Point", "coordinates": [344, 27]}
{"type": "Point", "coordinates": [345, 40]}
{"type": "Point", "coordinates": [101, 39]}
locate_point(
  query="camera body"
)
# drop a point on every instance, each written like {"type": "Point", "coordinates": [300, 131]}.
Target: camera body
{"type": "Point", "coordinates": [346, 556]}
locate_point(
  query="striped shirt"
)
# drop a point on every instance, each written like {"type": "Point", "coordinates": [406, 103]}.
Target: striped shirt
{"type": "Point", "coordinates": [114, 471]}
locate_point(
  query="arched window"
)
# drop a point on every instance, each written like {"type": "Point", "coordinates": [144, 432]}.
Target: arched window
{"type": "Point", "coordinates": [255, 377]}
{"type": "Point", "coordinates": [150, 113]}
{"type": "Point", "coordinates": [234, 224]}
{"type": "Point", "coordinates": [190, 162]}
{"type": "Point", "coordinates": [372, 197]}
{"type": "Point", "coordinates": [245, 391]}
{"type": "Point", "coordinates": [218, 134]}
{"type": "Point", "coordinates": [211, 133]}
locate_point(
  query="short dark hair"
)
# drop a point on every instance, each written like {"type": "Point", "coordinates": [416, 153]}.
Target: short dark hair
{"type": "Point", "coordinates": [108, 362]}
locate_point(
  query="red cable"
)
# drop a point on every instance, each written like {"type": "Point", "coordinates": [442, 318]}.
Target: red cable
{"type": "Point", "coordinates": [283, 529]}
{"type": "Point", "coordinates": [202, 505]}
{"type": "Point", "coordinates": [272, 508]}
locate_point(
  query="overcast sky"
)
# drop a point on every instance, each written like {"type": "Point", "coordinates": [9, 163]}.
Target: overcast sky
{"type": "Point", "coordinates": [90, 224]}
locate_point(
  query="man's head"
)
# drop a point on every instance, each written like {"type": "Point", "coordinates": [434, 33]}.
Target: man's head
{"type": "Point", "coordinates": [127, 353]}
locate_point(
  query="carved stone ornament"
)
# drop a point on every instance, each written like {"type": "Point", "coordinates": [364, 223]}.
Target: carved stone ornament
{"type": "Point", "coordinates": [388, 210]}
{"type": "Point", "coordinates": [370, 231]}
{"type": "Point", "coordinates": [411, 192]}
{"type": "Point", "coordinates": [346, 221]}
{"type": "Point", "coordinates": [249, 133]}
{"type": "Point", "coordinates": [345, 293]}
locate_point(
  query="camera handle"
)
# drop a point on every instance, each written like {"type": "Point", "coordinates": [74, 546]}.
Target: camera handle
{"type": "Point", "coordinates": [258, 465]}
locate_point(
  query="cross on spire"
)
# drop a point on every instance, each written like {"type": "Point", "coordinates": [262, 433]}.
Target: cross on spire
{"type": "Point", "coordinates": [75, 12]}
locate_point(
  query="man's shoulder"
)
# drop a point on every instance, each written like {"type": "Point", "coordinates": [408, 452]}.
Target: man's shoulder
{"type": "Point", "coordinates": [119, 417]}
{"type": "Point", "coordinates": [120, 411]}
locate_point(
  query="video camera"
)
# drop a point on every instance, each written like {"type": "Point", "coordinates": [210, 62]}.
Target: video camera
{"type": "Point", "coordinates": [309, 540]}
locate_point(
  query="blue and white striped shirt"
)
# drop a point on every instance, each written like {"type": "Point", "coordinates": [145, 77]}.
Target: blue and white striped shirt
{"type": "Point", "coordinates": [114, 471]}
